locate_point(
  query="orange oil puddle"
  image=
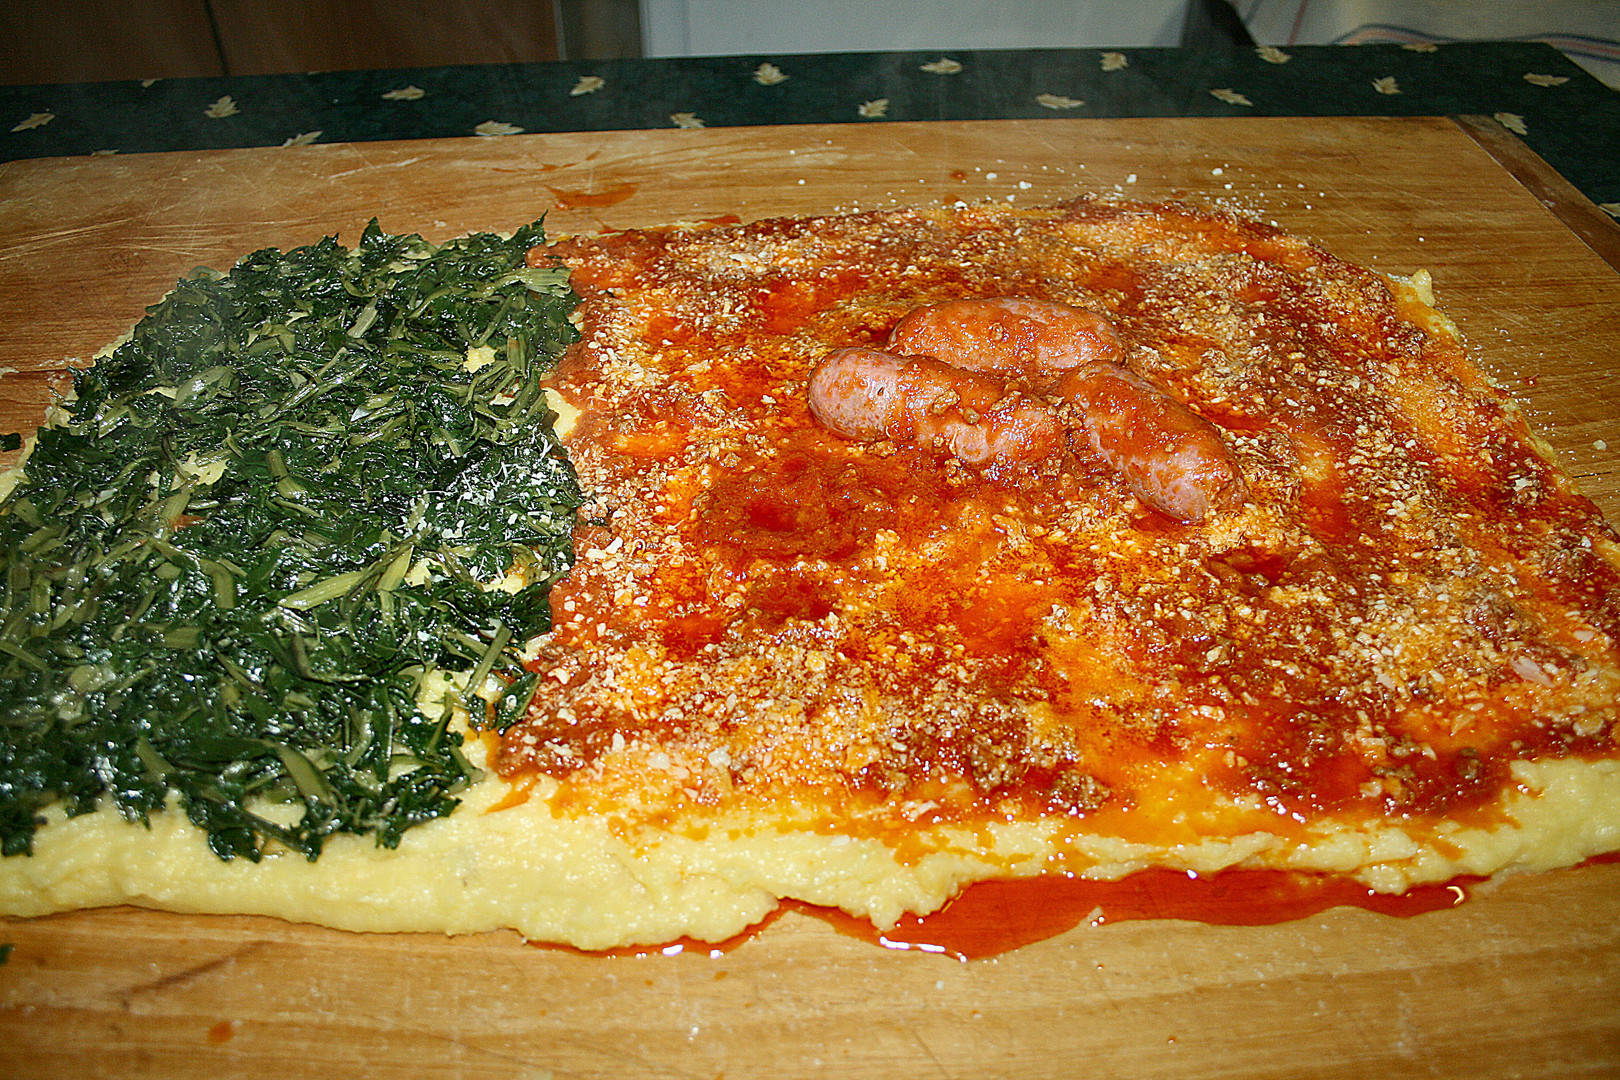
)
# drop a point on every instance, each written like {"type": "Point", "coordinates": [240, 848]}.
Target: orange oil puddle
{"type": "Point", "coordinates": [608, 196]}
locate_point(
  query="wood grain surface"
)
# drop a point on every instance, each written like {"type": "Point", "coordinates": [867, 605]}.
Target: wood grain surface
{"type": "Point", "coordinates": [1523, 980]}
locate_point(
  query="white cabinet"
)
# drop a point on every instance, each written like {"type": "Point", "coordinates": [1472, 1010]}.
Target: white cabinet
{"type": "Point", "coordinates": [730, 27]}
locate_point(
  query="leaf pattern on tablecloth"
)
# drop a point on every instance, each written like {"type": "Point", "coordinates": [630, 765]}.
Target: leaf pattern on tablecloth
{"type": "Point", "coordinates": [1564, 114]}
{"type": "Point", "coordinates": [1610, 208]}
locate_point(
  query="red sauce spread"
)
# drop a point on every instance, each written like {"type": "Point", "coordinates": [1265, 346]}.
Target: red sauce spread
{"type": "Point", "coordinates": [764, 614]}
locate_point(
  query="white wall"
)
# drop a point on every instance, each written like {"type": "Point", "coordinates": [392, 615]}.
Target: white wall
{"type": "Point", "coordinates": [729, 27]}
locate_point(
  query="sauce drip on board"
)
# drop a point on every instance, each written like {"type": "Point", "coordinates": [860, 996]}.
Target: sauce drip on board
{"type": "Point", "coordinates": [995, 917]}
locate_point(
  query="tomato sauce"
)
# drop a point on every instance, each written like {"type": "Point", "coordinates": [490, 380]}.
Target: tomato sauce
{"type": "Point", "coordinates": [1388, 624]}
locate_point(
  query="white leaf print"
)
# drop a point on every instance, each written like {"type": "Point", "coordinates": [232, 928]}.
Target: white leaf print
{"type": "Point", "coordinates": [39, 119]}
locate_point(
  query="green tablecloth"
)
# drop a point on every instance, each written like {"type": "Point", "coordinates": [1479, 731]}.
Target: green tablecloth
{"type": "Point", "coordinates": [1571, 119]}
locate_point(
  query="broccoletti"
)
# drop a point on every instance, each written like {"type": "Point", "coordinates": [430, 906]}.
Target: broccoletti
{"type": "Point", "coordinates": [270, 514]}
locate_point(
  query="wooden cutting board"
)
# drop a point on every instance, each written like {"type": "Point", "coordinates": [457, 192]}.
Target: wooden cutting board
{"type": "Point", "coordinates": [1523, 979]}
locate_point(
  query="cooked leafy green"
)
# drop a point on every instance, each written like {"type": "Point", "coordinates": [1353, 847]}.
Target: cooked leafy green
{"type": "Point", "coordinates": [271, 512]}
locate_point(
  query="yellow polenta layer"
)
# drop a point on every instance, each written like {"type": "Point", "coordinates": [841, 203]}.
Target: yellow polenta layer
{"type": "Point", "coordinates": [578, 880]}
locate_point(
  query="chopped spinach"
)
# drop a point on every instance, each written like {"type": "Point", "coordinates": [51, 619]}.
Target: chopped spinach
{"type": "Point", "coordinates": [270, 513]}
